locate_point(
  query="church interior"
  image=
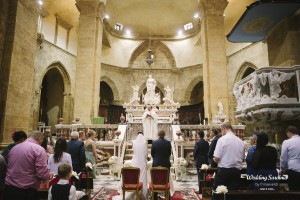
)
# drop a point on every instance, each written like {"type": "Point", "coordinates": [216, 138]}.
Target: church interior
{"type": "Point", "coordinates": [85, 65]}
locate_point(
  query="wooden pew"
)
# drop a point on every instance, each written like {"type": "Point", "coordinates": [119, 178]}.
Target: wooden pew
{"type": "Point", "coordinates": [259, 195]}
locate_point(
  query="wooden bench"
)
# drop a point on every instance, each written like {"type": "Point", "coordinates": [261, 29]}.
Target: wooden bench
{"type": "Point", "coordinates": [259, 195]}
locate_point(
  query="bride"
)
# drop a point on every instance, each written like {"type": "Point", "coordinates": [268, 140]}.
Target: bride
{"type": "Point", "coordinates": [139, 159]}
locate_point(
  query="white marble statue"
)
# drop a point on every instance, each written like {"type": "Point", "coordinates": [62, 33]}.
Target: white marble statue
{"type": "Point", "coordinates": [169, 94]}
{"type": "Point", "coordinates": [151, 97]}
{"type": "Point", "coordinates": [151, 84]}
{"type": "Point", "coordinates": [135, 93]}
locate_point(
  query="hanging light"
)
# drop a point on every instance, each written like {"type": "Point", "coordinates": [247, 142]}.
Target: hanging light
{"type": "Point", "coordinates": [150, 58]}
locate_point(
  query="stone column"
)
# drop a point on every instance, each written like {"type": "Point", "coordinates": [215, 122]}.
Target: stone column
{"type": "Point", "coordinates": [17, 67]}
{"type": "Point", "coordinates": [214, 56]}
{"type": "Point", "coordinates": [87, 87]}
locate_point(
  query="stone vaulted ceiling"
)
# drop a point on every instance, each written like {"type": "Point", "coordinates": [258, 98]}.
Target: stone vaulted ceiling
{"type": "Point", "coordinates": [164, 17]}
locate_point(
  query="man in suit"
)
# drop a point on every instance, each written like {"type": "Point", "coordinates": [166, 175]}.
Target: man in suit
{"type": "Point", "coordinates": [212, 147]}
{"type": "Point", "coordinates": [77, 152]}
{"type": "Point", "coordinates": [200, 154]}
{"type": "Point", "coordinates": [161, 152]}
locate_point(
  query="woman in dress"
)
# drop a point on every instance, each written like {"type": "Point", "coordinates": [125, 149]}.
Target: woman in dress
{"type": "Point", "coordinates": [60, 156]}
{"type": "Point", "coordinates": [90, 149]}
{"type": "Point", "coordinates": [139, 159]}
{"type": "Point", "coordinates": [264, 164]}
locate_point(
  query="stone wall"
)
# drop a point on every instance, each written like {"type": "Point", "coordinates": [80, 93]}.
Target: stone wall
{"type": "Point", "coordinates": [17, 70]}
{"type": "Point", "coordinates": [50, 56]}
{"type": "Point", "coordinates": [256, 55]}
{"type": "Point", "coordinates": [120, 80]}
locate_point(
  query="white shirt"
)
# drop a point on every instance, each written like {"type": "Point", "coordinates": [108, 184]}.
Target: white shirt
{"type": "Point", "coordinates": [53, 166]}
{"type": "Point", "coordinates": [290, 154]}
{"type": "Point", "coordinates": [72, 195]}
{"type": "Point", "coordinates": [231, 150]}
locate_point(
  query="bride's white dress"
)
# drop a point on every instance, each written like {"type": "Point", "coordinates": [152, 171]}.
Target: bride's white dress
{"type": "Point", "coordinates": [139, 159]}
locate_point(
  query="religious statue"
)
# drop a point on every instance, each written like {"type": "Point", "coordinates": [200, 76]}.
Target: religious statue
{"type": "Point", "coordinates": [169, 94]}
{"type": "Point", "coordinates": [135, 94]}
{"type": "Point", "coordinates": [151, 84]}
{"type": "Point", "coordinates": [151, 97]}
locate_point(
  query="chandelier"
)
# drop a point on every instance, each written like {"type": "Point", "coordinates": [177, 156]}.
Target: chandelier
{"type": "Point", "coordinates": [150, 58]}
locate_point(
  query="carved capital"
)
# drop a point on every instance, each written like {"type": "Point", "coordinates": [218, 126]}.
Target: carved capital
{"type": "Point", "coordinates": [90, 8]}
{"type": "Point", "coordinates": [213, 7]}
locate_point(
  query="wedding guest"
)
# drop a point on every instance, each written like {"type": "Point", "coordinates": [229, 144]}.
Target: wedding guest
{"type": "Point", "coordinates": [27, 167]}
{"type": "Point", "coordinates": [290, 157]}
{"type": "Point", "coordinates": [77, 152]}
{"type": "Point", "coordinates": [2, 175]}
{"type": "Point", "coordinates": [48, 136]}
{"type": "Point", "coordinates": [18, 137]}
{"type": "Point", "coordinates": [214, 135]}
{"type": "Point", "coordinates": [90, 149]}
{"type": "Point", "coordinates": [62, 189]}
{"type": "Point", "coordinates": [264, 163]}
{"type": "Point", "coordinates": [250, 154]}
{"type": "Point", "coordinates": [60, 156]}
{"type": "Point", "coordinates": [48, 148]}
{"type": "Point", "coordinates": [81, 136]}
{"type": "Point", "coordinates": [200, 154]}
{"type": "Point", "coordinates": [229, 154]}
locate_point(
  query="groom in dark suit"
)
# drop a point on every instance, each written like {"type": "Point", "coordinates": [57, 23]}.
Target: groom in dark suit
{"type": "Point", "coordinates": [161, 152]}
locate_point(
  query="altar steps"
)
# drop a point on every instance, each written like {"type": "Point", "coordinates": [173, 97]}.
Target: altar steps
{"type": "Point", "coordinates": [129, 151]}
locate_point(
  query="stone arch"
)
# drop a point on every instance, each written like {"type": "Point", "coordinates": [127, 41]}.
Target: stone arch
{"type": "Point", "coordinates": [163, 57]}
{"type": "Point", "coordinates": [191, 86]}
{"type": "Point", "coordinates": [112, 85]}
{"type": "Point", "coordinates": [245, 68]}
{"type": "Point", "coordinates": [64, 73]}
{"type": "Point", "coordinates": [67, 106]}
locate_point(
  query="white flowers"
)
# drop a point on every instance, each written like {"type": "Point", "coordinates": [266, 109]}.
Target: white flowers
{"type": "Point", "coordinates": [181, 162]}
{"type": "Point", "coordinates": [221, 189]}
{"type": "Point", "coordinates": [204, 166]}
{"type": "Point", "coordinates": [74, 174]}
{"type": "Point", "coordinates": [89, 165]}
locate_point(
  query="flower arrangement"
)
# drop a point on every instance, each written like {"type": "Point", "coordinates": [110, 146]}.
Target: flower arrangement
{"type": "Point", "coordinates": [89, 165]}
{"type": "Point", "coordinates": [221, 189]}
{"type": "Point", "coordinates": [204, 166]}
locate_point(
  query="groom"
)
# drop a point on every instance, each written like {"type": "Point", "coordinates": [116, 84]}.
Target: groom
{"type": "Point", "coordinates": [161, 152]}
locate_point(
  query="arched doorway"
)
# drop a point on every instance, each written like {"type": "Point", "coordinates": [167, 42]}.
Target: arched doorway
{"type": "Point", "coordinates": [110, 112]}
{"type": "Point", "coordinates": [192, 113]}
{"type": "Point", "coordinates": [52, 97]}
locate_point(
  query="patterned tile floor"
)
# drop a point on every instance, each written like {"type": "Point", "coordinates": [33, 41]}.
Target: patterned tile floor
{"type": "Point", "coordinates": [190, 181]}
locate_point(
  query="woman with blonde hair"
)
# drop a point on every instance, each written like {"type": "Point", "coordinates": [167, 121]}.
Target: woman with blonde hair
{"type": "Point", "coordinates": [90, 149]}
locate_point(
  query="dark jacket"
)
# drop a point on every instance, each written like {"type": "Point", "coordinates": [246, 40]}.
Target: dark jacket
{"type": "Point", "coordinates": [161, 152]}
{"type": "Point", "coordinates": [77, 152]}
{"type": "Point", "coordinates": [212, 147]}
{"type": "Point", "coordinates": [200, 152]}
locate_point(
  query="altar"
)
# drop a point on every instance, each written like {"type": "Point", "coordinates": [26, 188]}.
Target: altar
{"type": "Point", "coordinates": [166, 110]}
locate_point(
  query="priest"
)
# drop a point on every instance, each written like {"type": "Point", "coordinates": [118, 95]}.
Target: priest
{"type": "Point", "coordinates": [150, 119]}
